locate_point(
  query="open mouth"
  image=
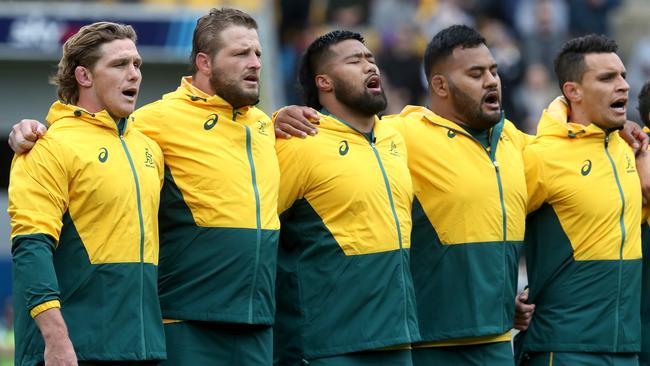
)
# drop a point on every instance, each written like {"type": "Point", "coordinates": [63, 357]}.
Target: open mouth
{"type": "Point", "coordinates": [491, 100]}
{"type": "Point", "coordinates": [373, 83]}
{"type": "Point", "coordinates": [619, 105]}
{"type": "Point", "coordinates": [130, 92]}
{"type": "Point", "coordinates": [254, 79]}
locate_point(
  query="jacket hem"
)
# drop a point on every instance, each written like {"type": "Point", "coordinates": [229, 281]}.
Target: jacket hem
{"type": "Point", "coordinates": [581, 347]}
{"type": "Point", "coordinates": [217, 317]}
{"type": "Point", "coordinates": [367, 346]}
{"type": "Point", "coordinates": [463, 333]}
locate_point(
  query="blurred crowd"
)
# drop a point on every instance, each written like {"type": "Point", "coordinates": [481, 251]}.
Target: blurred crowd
{"type": "Point", "coordinates": [523, 35]}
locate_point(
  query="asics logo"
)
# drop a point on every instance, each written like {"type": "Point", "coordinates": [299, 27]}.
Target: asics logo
{"type": "Point", "coordinates": [343, 147]}
{"type": "Point", "coordinates": [211, 122]}
{"type": "Point", "coordinates": [103, 155]}
{"type": "Point", "coordinates": [586, 167]}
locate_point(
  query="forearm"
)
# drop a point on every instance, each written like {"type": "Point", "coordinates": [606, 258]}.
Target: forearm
{"type": "Point", "coordinates": [52, 326]}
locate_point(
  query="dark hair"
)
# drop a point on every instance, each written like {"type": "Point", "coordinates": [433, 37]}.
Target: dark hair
{"type": "Point", "coordinates": [443, 43]}
{"type": "Point", "coordinates": [570, 61]}
{"type": "Point", "coordinates": [644, 103]}
{"type": "Point", "coordinates": [207, 34]}
{"type": "Point", "coordinates": [317, 53]}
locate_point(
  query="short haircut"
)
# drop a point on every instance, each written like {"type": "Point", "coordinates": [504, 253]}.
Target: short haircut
{"type": "Point", "coordinates": [316, 55]}
{"type": "Point", "coordinates": [442, 45]}
{"type": "Point", "coordinates": [83, 49]}
{"type": "Point", "coordinates": [644, 103]}
{"type": "Point", "coordinates": [207, 34]}
{"type": "Point", "coordinates": [570, 61]}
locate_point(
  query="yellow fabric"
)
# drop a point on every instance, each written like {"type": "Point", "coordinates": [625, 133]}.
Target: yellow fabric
{"type": "Point", "coordinates": [44, 306]}
{"type": "Point", "coordinates": [505, 337]}
{"type": "Point", "coordinates": [172, 321]}
{"type": "Point", "coordinates": [80, 166]}
{"type": "Point", "coordinates": [587, 202]}
{"type": "Point", "coordinates": [204, 138]}
{"type": "Point", "coordinates": [457, 173]}
{"type": "Point", "coordinates": [339, 175]}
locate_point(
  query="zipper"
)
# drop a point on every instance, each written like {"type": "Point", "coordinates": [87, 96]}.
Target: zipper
{"type": "Point", "coordinates": [494, 162]}
{"type": "Point", "coordinates": [121, 127]}
{"type": "Point", "coordinates": [258, 236]}
{"type": "Point", "coordinates": [623, 234]}
{"type": "Point", "coordinates": [399, 234]}
{"type": "Point", "coordinates": [497, 171]}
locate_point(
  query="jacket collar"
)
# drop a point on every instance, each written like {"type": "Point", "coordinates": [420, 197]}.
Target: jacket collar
{"type": "Point", "coordinates": [59, 111]}
{"type": "Point", "coordinates": [194, 95]}
{"type": "Point", "coordinates": [555, 122]}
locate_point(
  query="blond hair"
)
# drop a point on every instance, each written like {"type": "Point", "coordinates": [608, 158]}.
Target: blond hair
{"type": "Point", "coordinates": [83, 49]}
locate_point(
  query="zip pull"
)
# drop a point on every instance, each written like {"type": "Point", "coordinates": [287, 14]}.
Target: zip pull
{"type": "Point", "coordinates": [606, 140]}
{"type": "Point", "coordinates": [496, 165]}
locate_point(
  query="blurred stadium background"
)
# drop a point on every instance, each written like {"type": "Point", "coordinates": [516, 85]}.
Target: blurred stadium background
{"type": "Point", "coordinates": [523, 35]}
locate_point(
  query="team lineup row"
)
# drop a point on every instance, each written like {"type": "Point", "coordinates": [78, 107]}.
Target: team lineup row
{"type": "Point", "coordinates": [184, 233]}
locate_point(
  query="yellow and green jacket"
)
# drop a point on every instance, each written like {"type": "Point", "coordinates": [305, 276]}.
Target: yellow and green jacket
{"type": "Point", "coordinates": [583, 238]}
{"type": "Point", "coordinates": [343, 265]}
{"type": "Point", "coordinates": [644, 355]}
{"type": "Point", "coordinates": [218, 207]}
{"type": "Point", "coordinates": [469, 216]}
{"type": "Point", "coordinates": [83, 205]}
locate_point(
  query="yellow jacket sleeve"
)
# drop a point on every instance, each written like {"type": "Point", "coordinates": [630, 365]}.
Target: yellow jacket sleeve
{"type": "Point", "coordinates": [293, 173]}
{"type": "Point", "coordinates": [535, 179]}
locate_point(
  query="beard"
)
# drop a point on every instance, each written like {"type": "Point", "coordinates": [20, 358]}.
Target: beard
{"type": "Point", "coordinates": [471, 109]}
{"type": "Point", "coordinates": [364, 103]}
{"type": "Point", "coordinates": [232, 92]}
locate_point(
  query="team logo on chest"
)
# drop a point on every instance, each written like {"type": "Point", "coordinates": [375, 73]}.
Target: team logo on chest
{"type": "Point", "coordinates": [393, 149]}
{"type": "Point", "coordinates": [148, 158]}
{"type": "Point", "coordinates": [211, 122]}
{"type": "Point", "coordinates": [262, 128]}
{"type": "Point", "coordinates": [629, 164]}
{"type": "Point", "coordinates": [103, 155]}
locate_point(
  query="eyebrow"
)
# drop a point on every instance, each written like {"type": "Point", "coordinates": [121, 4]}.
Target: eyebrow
{"type": "Point", "coordinates": [480, 68]}
{"type": "Point", "coordinates": [360, 55]}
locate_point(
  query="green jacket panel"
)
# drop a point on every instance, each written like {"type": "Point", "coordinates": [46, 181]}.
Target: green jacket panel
{"type": "Point", "coordinates": [489, 281]}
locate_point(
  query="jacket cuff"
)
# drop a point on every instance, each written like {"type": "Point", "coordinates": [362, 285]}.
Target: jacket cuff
{"type": "Point", "coordinates": [44, 306]}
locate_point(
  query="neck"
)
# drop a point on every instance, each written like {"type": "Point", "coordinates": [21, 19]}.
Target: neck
{"type": "Point", "coordinates": [578, 115]}
{"type": "Point", "coordinates": [449, 113]}
{"type": "Point", "coordinates": [202, 82]}
{"type": "Point", "coordinates": [89, 105]}
{"type": "Point", "coordinates": [360, 122]}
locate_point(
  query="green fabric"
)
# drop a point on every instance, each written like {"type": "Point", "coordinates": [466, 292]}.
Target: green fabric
{"type": "Point", "coordinates": [576, 300]}
{"type": "Point", "coordinates": [492, 354]}
{"type": "Point", "coordinates": [331, 304]}
{"type": "Point", "coordinates": [207, 274]}
{"type": "Point", "coordinates": [582, 359]}
{"type": "Point", "coordinates": [218, 344]}
{"type": "Point", "coordinates": [482, 136]}
{"type": "Point", "coordinates": [34, 287]}
{"type": "Point", "coordinates": [111, 363]}
{"type": "Point", "coordinates": [98, 301]}
{"type": "Point", "coordinates": [644, 355]}
{"type": "Point", "coordinates": [481, 276]}
{"type": "Point", "coordinates": [368, 358]}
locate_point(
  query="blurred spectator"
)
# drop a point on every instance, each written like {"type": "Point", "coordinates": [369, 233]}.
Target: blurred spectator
{"type": "Point", "coordinates": [542, 26]}
{"type": "Point", "coordinates": [590, 16]}
{"type": "Point", "coordinates": [400, 61]}
{"type": "Point", "coordinates": [7, 335]}
{"type": "Point", "coordinates": [435, 15]}
{"type": "Point", "coordinates": [536, 92]}
{"type": "Point", "coordinates": [348, 14]}
{"type": "Point", "coordinates": [510, 61]}
{"type": "Point", "coordinates": [638, 71]}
